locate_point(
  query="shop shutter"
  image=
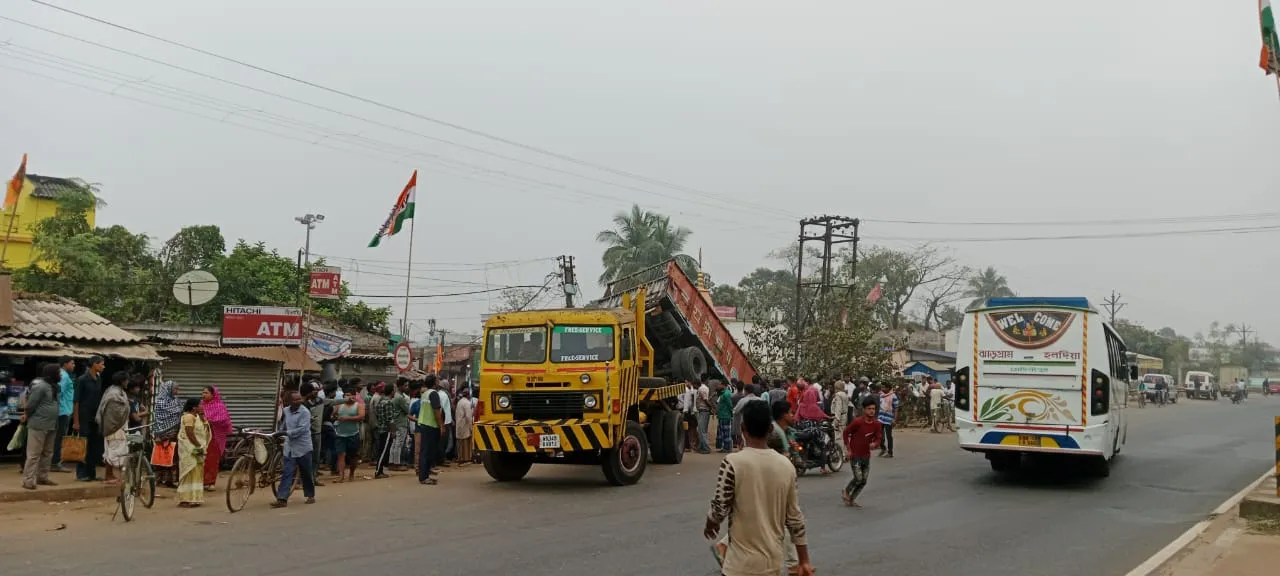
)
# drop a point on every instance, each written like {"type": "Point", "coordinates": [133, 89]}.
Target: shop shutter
{"type": "Point", "coordinates": [247, 386]}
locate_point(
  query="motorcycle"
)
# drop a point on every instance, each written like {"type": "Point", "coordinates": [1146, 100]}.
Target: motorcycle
{"type": "Point", "coordinates": [1237, 396]}
{"type": "Point", "coordinates": [817, 446]}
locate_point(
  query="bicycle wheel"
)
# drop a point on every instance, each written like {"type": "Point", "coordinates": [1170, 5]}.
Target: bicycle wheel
{"type": "Point", "coordinates": [146, 488]}
{"type": "Point", "coordinates": [126, 498]}
{"type": "Point", "coordinates": [240, 483]}
{"type": "Point", "coordinates": [275, 472]}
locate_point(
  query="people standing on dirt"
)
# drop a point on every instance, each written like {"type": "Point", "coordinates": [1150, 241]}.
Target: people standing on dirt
{"type": "Point", "coordinates": [66, 385]}
{"type": "Point", "coordinates": [296, 426]}
{"type": "Point", "coordinates": [840, 406]}
{"type": "Point", "coordinates": [193, 440]}
{"type": "Point", "coordinates": [88, 395]}
{"type": "Point", "coordinates": [41, 418]}
{"type": "Point", "coordinates": [168, 417]}
{"type": "Point", "coordinates": [219, 419]}
{"type": "Point", "coordinates": [430, 419]}
{"type": "Point", "coordinates": [314, 403]}
{"type": "Point", "coordinates": [347, 419]}
{"type": "Point", "coordinates": [384, 425]}
{"type": "Point", "coordinates": [936, 397]}
{"type": "Point", "coordinates": [463, 419]}
{"type": "Point", "coordinates": [756, 491]}
{"type": "Point", "coordinates": [704, 406]}
{"type": "Point", "coordinates": [889, 404]}
{"type": "Point", "coordinates": [400, 438]}
{"type": "Point", "coordinates": [861, 436]}
{"type": "Point", "coordinates": [724, 417]}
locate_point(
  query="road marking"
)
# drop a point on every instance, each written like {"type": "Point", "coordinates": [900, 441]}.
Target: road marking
{"type": "Point", "coordinates": [1159, 558]}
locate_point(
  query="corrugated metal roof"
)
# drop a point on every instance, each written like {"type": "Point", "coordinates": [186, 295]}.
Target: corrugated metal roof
{"type": "Point", "coordinates": [367, 357]}
{"type": "Point", "coordinates": [140, 352]}
{"type": "Point", "coordinates": [292, 358]}
{"type": "Point", "coordinates": [39, 316]}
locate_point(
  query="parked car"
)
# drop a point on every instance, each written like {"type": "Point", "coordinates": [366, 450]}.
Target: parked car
{"type": "Point", "coordinates": [1201, 385]}
{"type": "Point", "coordinates": [1171, 387]}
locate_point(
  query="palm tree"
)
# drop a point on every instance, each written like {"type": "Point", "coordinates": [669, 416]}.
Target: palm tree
{"type": "Point", "coordinates": [640, 239]}
{"type": "Point", "coordinates": [988, 284]}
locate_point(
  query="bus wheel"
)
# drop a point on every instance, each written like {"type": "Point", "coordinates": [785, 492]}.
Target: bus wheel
{"type": "Point", "coordinates": [625, 463]}
{"type": "Point", "coordinates": [505, 467]}
{"type": "Point", "coordinates": [1101, 467]}
{"type": "Point", "coordinates": [1004, 462]}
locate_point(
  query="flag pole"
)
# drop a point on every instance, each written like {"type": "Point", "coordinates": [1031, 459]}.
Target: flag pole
{"type": "Point", "coordinates": [404, 333]}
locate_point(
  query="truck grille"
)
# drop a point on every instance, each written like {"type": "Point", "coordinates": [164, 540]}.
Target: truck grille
{"type": "Point", "coordinates": [546, 405]}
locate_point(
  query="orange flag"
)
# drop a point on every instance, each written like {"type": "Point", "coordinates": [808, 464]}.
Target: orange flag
{"type": "Point", "coordinates": [15, 186]}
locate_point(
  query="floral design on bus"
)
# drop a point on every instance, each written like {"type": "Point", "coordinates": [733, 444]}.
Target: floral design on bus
{"type": "Point", "coordinates": [1034, 406]}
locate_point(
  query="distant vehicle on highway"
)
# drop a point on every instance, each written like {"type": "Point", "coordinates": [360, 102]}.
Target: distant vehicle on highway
{"type": "Point", "coordinates": [1171, 387]}
{"type": "Point", "coordinates": [1041, 376]}
{"type": "Point", "coordinates": [1201, 385]}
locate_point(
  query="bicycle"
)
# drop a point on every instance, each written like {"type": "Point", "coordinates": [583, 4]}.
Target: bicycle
{"type": "Point", "coordinates": [139, 480]}
{"type": "Point", "coordinates": [260, 465]}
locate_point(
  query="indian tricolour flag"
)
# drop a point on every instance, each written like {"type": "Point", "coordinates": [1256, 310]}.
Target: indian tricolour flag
{"type": "Point", "coordinates": [403, 210]}
{"type": "Point", "coordinates": [1270, 60]}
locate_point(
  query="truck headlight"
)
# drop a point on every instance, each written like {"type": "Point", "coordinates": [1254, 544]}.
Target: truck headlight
{"type": "Point", "coordinates": [504, 402]}
{"type": "Point", "coordinates": [590, 401]}
{"type": "Point", "coordinates": [506, 378]}
{"type": "Point", "coordinates": [584, 378]}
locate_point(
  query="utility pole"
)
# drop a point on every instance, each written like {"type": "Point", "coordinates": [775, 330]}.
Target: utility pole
{"type": "Point", "coordinates": [830, 231]}
{"type": "Point", "coordinates": [568, 279]}
{"type": "Point", "coordinates": [1113, 305]}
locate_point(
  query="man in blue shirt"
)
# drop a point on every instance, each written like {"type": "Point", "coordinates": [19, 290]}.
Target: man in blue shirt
{"type": "Point", "coordinates": [66, 403]}
{"type": "Point", "coordinates": [296, 426]}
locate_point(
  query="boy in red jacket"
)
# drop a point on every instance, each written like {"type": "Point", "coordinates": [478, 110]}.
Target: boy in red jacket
{"type": "Point", "coordinates": [861, 436]}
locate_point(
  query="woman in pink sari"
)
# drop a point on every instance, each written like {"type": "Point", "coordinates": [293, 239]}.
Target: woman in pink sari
{"type": "Point", "coordinates": [810, 406]}
{"type": "Point", "coordinates": [215, 412]}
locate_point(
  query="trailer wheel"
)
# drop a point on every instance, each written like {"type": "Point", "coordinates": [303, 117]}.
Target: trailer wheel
{"type": "Point", "coordinates": [505, 467]}
{"type": "Point", "coordinates": [689, 363]}
{"type": "Point", "coordinates": [624, 464]}
{"type": "Point", "coordinates": [667, 435]}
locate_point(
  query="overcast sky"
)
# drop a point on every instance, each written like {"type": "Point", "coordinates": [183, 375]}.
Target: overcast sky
{"type": "Point", "coordinates": [751, 114]}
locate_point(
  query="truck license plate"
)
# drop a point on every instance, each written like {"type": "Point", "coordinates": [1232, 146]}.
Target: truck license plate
{"type": "Point", "coordinates": [544, 441]}
{"type": "Point", "coordinates": [1029, 440]}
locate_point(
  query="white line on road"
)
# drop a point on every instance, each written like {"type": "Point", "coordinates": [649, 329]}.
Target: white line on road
{"type": "Point", "coordinates": [1158, 560]}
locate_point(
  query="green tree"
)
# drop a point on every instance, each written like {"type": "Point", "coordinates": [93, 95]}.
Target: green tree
{"type": "Point", "coordinates": [988, 283]}
{"type": "Point", "coordinates": [901, 274]}
{"type": "Point", "coordinates": [840, 340]}
{"type": "Point", "coordinates": [641, 239]}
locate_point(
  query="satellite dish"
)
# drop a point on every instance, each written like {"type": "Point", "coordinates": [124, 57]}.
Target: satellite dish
{"type": "Point", "coordinates": [195, 288]}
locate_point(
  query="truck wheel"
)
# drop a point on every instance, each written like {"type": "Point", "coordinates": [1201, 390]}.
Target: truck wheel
{"type": "Point", "coordinates": [505, 467]}
{"type": "Point", "coordinates": [624, 463]}
{"type": "Point", "coordinates": [666, 326]}
{"type": "Point", "coordinates": [657, 450]}
{"type": "Point", "coordinates": [667, 435]}
{"type": "Point", "coordinates": [689, 363]}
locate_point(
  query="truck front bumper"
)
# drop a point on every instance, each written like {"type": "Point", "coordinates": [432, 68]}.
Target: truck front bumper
{"type": "Point", "coordinates": [574, 435]}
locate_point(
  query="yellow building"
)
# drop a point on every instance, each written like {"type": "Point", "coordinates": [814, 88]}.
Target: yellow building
{"type": "Point", "coordinates": [37, 201]}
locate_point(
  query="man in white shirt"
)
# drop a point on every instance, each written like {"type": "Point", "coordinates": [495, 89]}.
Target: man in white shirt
{"type": "Point", "coordinates": [446, 433]}
{"type": "Point", "coordinates": [703, 405]}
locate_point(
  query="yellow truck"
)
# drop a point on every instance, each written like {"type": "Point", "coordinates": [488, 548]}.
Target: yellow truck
{"type": "Point", "coordinates": [568, 386]}
{"type": "Point", "coordinates": [598, 385]}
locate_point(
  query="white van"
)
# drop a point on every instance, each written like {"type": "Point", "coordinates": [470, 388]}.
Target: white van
{"type": "Point", "coordinates": [1041, 375]}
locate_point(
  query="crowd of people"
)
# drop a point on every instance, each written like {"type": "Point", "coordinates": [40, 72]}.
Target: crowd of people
{"type": "Point", "coordinates": [756, 426]}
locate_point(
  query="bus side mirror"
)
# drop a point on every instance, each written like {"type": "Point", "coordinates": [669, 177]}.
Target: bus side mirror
{"type": "Point", "coordinates": [1133, 372]}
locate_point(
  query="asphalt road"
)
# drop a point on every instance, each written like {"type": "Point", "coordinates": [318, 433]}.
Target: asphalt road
{"type": "Point", "coordinates": [933, 509]}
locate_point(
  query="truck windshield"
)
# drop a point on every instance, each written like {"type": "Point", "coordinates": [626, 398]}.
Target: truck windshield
{"type": "Point", "coordinates": [526, 345]}
{"type": "Point", "coordinates": [581, 343]}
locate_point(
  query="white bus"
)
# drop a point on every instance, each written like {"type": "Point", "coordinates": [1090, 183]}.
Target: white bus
{"type": "Point", "coordinates": [1041, 376]}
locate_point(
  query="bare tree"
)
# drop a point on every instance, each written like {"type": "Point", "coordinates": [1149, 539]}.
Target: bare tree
{"type": "Point", "coordinates": [940, 295]}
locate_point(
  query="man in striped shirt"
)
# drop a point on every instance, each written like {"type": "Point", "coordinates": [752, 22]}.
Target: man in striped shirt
{"type": "Point", "coordinates": [756, 493]}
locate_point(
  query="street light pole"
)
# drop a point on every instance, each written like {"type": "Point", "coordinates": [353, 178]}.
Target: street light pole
{"type": "Point", "coordinates": [310, 221]}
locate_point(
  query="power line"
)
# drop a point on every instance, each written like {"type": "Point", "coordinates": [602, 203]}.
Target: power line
{"type": "Point", "coordinates": [1237, 230]}
{"type": "Point", "coordinates": [731, 202]}
{"type": "Point", "coordinates": [321, 133]}
{"type": "Point", "coordinates": [1119, 221]}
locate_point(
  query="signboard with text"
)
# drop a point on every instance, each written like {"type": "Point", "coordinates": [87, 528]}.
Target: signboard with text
{"type": "Point", "coordinates": [271, 325]}
{"type": "Point", "coordinates": [326, 282]}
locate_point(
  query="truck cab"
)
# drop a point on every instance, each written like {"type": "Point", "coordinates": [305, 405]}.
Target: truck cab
{"type": "Point", "coordinates": [569, 386]}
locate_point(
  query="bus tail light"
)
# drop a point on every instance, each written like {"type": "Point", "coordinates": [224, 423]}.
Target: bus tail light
{"type": "Point", "coordinates": [961, 379]}
{"type": "Point", "coordinates": [1099, 393]}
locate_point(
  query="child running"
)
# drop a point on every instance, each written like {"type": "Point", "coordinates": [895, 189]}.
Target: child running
{"type": "Point", "coordinates": [861, 436]}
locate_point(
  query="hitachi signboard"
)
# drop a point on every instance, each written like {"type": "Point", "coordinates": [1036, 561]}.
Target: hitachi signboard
{"type": "Point", "coordinates": [273, 325]}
